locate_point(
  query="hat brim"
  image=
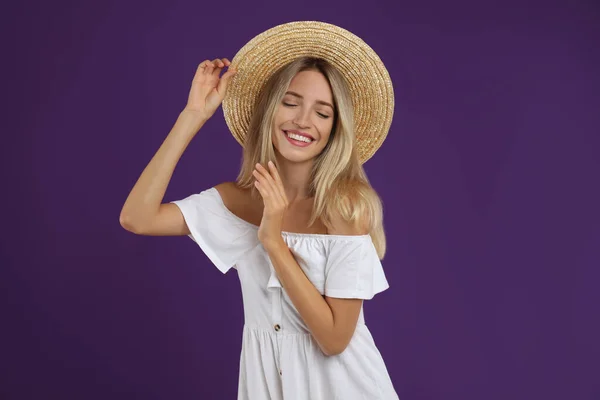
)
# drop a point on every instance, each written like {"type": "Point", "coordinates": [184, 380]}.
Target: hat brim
{"type": "Point", "coordinates": [368, 79]}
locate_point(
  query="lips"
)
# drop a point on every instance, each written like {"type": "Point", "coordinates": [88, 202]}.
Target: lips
{"type": "Point", "coordinates": [296, 143]}
{"type": "Point", "coordinates": [301, 134]}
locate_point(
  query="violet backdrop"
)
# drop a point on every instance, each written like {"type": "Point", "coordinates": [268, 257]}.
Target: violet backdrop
{"type": "Point", "coordinates": [489, 178]}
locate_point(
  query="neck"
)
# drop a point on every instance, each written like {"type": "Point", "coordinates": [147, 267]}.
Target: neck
{"type": "Point", "coordinates": [295, 178]}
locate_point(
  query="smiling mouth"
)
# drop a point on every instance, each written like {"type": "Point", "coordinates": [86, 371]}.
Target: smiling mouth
{"type": "Point", "coordinates": [298, 139]}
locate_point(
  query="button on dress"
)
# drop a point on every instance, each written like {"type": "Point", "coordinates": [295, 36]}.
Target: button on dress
{"type": "Point", "coordinates": [279, 357]}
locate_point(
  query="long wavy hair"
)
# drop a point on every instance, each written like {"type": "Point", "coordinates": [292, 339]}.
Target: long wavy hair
{"type": "Point", "coordinates": [338, 181]}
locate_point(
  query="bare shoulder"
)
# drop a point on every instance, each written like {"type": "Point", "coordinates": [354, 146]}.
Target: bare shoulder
{"type": "Point", "coordinates": [239, 202]}
{"type": "Point", "coordinates": [227, 191]}
{"type": "Point", "coordinates": [231, 193]}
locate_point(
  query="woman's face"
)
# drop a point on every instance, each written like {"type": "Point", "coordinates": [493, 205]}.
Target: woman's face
{"type": "Point", "coordinates": [306, 110]}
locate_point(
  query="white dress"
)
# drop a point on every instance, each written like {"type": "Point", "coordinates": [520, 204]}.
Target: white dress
{"type": "Point", "coordinates": [279, 358]}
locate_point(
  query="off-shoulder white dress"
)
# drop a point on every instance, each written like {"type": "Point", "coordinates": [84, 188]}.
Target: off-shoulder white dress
{"type": "Point", "coordinates": [279, 358]}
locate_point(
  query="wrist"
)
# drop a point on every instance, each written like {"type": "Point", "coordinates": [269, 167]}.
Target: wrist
{"type": "Point", "coordinates": [189, 123]}
{"type": "Point", "coordinates": [198, 117]}
{"type": "Point", "coordinates": [275, 244]}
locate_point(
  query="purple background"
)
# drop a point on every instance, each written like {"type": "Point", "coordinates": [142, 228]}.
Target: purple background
{"type": "Point", "coordinates": [489, 178]}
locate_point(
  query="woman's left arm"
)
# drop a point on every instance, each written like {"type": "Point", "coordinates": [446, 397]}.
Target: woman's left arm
{"type": "Point", "coordinates": [332, 321]}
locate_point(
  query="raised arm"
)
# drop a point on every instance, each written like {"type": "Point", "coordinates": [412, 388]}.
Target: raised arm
{"type": "Point", "coordinates": [143, 212]}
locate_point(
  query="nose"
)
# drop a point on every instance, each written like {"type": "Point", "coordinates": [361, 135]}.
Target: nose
{"type": "Point", "coordinates": [302, 116]}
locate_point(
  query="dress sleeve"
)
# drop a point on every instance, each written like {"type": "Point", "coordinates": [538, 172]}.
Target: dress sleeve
{"type": "Point", "coordinates": [221, 235]}
{"type": "Point", "coordinates": [353, 269]}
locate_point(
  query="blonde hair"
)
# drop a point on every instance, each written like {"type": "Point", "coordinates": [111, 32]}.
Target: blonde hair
{"type": "Point", "coordinates": [338, 181]}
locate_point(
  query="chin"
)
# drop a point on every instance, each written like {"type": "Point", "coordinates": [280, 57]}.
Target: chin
{"type": "Point", "coordinates": [296, 158]}
{"type": "Point", "coordinates": [293, 155]}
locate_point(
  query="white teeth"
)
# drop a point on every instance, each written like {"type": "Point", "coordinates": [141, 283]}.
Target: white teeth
{"type": "Point", "coordinates": [298, 137]}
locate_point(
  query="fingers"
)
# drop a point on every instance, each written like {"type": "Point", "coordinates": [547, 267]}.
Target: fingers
{"type": "Point", "coordinates": [201, 68]}
{"type": "Point", "coordinates": [225, 79]}
{"type": "Point", "coordinates": [209, 67]}
{"type": "Point", "coordinates": [217, 62]}
{"type": "Point", "coordinates": [278, 182]}
{"type": "Point", "coordinates": [264, 180]}
{"type": "Point", "coordinates": [207, 90]}
{"type": "Point", "coordinates": [215, 66]}
{"type": "Point", "coordinates": [270, 183]}
{"type": "Point", "coordinates": [218, 66]}
{"type": "Point", "coordinates": [275, 174]}
{"type": "Point", "coordinates": [203, 64]}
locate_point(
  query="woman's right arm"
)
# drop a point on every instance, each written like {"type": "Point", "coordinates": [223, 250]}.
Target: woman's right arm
{"type": "Point", "coordinates": [143, 212]}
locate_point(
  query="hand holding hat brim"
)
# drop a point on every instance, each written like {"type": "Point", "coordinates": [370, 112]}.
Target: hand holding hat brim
{"type": "Point", "coordinates": [208, 87]}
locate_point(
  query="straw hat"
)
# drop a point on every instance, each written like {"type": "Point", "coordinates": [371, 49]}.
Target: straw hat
{"type": "Point", "coordinates": [369, 82]}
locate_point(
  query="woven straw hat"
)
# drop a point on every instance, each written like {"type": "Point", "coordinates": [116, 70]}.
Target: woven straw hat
{"type": "Point", "coordinates": [369, 82]}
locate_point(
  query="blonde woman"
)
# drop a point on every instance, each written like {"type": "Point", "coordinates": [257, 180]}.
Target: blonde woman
{"type": "Point", "coordinates": [301, 224]}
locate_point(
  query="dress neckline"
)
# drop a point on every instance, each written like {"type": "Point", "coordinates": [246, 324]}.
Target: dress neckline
{"type": "Point", "coordinates": [285, 233]}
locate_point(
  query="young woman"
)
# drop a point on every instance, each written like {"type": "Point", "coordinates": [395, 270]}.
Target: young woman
{"type": "Point", "coordinates": [301, 224]}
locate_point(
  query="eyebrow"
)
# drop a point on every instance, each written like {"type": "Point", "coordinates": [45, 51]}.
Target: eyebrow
{"type": "Point", "coordinates": [318, 101]}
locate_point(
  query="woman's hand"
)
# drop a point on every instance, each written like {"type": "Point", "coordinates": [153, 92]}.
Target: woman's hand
{"type": "Point", "coordinates": [275, 202]}
{"type": "Point", "coordinates": [208, 90]}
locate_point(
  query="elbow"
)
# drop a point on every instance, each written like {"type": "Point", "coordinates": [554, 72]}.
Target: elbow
{"type": "Point", "coordinates": [335, 343]}
{"type": "Point", "coordinates": [126, 224]}
{"type": "Point", "coordinates": [334, 349]}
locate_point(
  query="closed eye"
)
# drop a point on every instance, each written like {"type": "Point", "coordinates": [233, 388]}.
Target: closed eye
{"type": "Point", "coordinates": [324, 116]}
